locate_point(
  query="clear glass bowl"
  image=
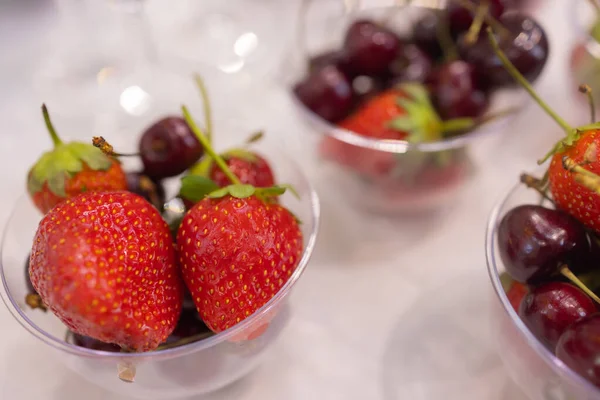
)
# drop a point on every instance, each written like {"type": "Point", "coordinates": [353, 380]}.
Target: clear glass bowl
{"type": "Point", "coordinates": [531, 365]}
{"type": "Point", "coordinates": [128, 103]}
{"type": "Point", "coordinates": [411, 179]}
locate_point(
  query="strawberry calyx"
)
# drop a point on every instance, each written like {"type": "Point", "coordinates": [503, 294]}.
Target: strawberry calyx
{"type": "Point", "coordinates": [198, 187]}
{"type": "Point", "coordinates": [421, 121]}
{"type": "Point", "coordinates": [63, 161]}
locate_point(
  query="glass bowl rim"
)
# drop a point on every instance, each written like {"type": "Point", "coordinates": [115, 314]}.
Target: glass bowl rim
{"type": "Point", "coordinates": [490, 240]}
{"type": "Point", "coordinates": [204, 344]}
{"type": "Point", "coordinates": [393, 145]}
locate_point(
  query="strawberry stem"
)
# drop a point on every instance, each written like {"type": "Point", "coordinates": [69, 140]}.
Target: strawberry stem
{"type": "Point", "coordinates": [207, 108]}
{"type": "Point", "coordinates": [55, 139]}
{"type": "Point", "coordinates": [587, 90]}
{"type": "Point", "coordinates": [208, 148]}
{"type": "Point", "coordinates": [34, 301]}
{"type": "Point", "coordinates": [473, 33]}
{"type": "Point", "coordinates": [566, 272]}
{"type": "Point", "coordinates": [512, 70]}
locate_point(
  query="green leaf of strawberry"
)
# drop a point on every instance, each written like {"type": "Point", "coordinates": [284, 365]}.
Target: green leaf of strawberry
{"type": "Point", "coordinates": [196, 187]}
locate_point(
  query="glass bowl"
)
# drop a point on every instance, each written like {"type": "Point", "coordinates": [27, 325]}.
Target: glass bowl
{"type": "Point", "coordinates": [392, 176]}
{"type": "Point", "coordinates": [530, 364]}
{"type": "Point", "coordinates": [130, 103]}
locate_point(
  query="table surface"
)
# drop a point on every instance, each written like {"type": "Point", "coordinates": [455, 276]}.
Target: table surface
{"type": "Point", "coordinates": [388, 319]}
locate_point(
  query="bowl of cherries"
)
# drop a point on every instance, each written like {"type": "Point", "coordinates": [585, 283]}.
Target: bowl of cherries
{"type": "Point", "coordinates": [397, 95]}
{"type": "Point", "coordinates": [148, 293]}
{"type": "Point", "coordinates": [543, 249]}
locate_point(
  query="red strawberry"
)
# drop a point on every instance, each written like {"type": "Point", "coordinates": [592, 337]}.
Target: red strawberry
{"type": "Point", "coordinates": [69, 169]}
{"type": "Point", "coordinates": [235, 255]}
{"type": "Point", "coordinates": [237, 248]}
{"type": "Point", "coordinates": [104, 263]}
{"type": "Point", "coordinates": [516, 293]}
{"type": "Point", "coordinates": [570, 195]}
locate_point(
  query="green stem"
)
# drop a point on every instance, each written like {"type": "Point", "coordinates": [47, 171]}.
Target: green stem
{"type": "Point", "coordinates": [207, 147]}
{"type": "Point", "coordinates": [566, 272]}
{"type": "Point", "coordinates": [587, 90]}
{"type": "Point", "coordinates": [207, 108]}
{"type": "Point", "coordinates": [55, 139]}
{"type": "Point", "coordinates": [457, 125]}
{"type": "Point", "coordinates": [510, 68]}
{"type": "Point", "coordinates": [473, 33]}
{"type": "Point", "coordinates": [445, 40]}
{"type": "Point", "coordinates": [491, 21]}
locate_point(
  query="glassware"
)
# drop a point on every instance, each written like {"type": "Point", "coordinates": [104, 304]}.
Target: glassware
{"type": "Point", "coordinates": [394, 176]}
{"type": "Point", "coordinates": [132, 102]}
{"type": "Point", "coordinates": [530, 364]}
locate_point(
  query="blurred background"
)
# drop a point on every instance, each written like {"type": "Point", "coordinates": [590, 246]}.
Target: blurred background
{"type": "Point", "coordinates": [390, 308]}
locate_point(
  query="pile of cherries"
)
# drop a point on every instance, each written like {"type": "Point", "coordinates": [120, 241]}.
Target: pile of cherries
{"type": "Point", "coordinates": [540, 248]}
{"type": "Point", "coordinates": [167, 148]}
{"type": "Point", "coordinates": [374, 58]}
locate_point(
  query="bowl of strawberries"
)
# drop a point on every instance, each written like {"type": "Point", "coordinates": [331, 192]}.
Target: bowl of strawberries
{"type": "Point", "coordinates": [398, 95]}
{"type": "Point", "coordinates": [542, 249]}
{"type": "Point", "coordinates": [163, 272]}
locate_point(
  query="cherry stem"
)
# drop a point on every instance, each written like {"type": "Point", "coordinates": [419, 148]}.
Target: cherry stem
{"type": "Point", "coordinates": [512, 70]}
{"type": "Point", "coordinates": [587, 90]}
{"type": "Point", "coordinates": [444, 38]}
{"type": "Point", "coordinates": [535, 184]}
{"type": "Point", "coordinates": [473, 33]}
{"type": "Point", "coordinates": [566, 272]}
{"type": "Point", "coordinates": [207, 108]}
{"type": "Point", "coordinates": [101, 143]}
{"type": "Point", "coordinates": [55, 138]}
{"type": "Point", "coordinates": [255, 137]}
{"type": "Point", "coordinates": [582, 176]}
{"type": "Point", "coordinates": [207, 147]}
{"type": "Point", "coordinates": [491, 21]}
{"type": "Point", "coordinates": [461, 124]}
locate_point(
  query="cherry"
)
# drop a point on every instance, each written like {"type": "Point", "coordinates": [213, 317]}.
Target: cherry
{"type": "Point", "coordinates": [335, 58]}
{"type": "Point", "coordinates": [149, 189]}
{"type": "Point", "coordinates": [526, 47]}
{"type": "Point", "coordinates": [534, 242]}
{"type": "Point", "coordinates": [94, 344]}
{"type": "Point", "coordinates": [190, 324]}
{"type": "Point", "coordinates": [410, 65]}
{"type": "Point", "coordinates": [461, 19]}
{"type": "Point", "coordinates": [425, 34]}
{"type": "Point", "coordinates": [455, 93]}
{"type": "Point", "coordinates": [370, 48]}
{"type": "Point", "coordinates": [326, 92]}
{"type": "Point", "coordinates": [168, 148]}
{"type": "Point", "coordinates": [548, 310]}
{"type": "Point", "coordinates": [579, 347]}
{"type": "Point", "coordinates": [255, 172]}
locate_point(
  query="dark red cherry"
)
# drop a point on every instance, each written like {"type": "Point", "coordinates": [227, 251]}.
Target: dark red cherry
{"type": "Point", "coordinates": [190, 324]}
{"type": "Point", "coordinates": [370, 48]}
{"type": "Point", "coordinates": [579, 348]}
{"type": "Point", "coordinates": [410, 65]}
{"type": "Point", "coordinates": [425, 34]}
{"type": "Point", "coordinates": [141, 184]}
{"type": "Point", "coordinates": [526, 47]}
{"type": "Point", "coordinates": [326, 92]}
{"type": "Point", "coordinates": [455, 93]}
{"type": "Point", "coordinates": [335, 58]}
{"type": "Point", "coordinates": [461, 19]}
{"type": "Point", "coordinates": [168, 148]}
{"type": "Point", "coordinates": [548, 310]}
{"type": "Point", "coordinates": [94, 344]}
{"type": "Point", "coordinates": [534, 242]}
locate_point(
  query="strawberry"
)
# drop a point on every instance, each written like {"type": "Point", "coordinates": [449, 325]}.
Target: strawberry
{"type": "Point", "coordinates": [104, 263]}
{"type": "Point", "coordinates": [236, 254]}
{"type": "Point", "coordinates": [515, 291]}
{"type": "Point", "coordinates": [237, 248]}
{"type": "Point", "coordinates": [402, 113]}
{"type": "Point", "coordinates": [569, 194]}
{"type": "Point", "coordinates": [69, 169]}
